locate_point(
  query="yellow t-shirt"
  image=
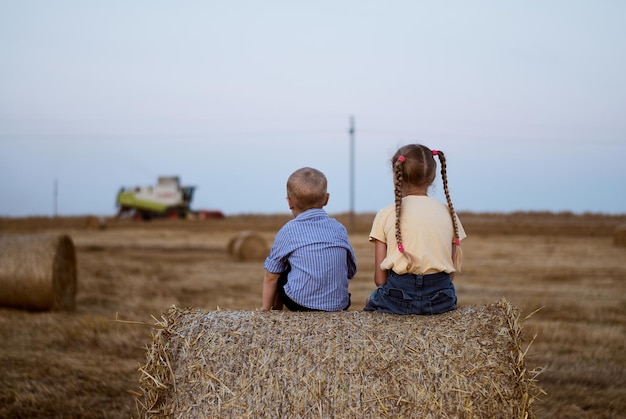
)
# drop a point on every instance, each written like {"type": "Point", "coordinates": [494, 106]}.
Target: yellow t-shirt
{"type": "Point", "coordinates": [427, 234]}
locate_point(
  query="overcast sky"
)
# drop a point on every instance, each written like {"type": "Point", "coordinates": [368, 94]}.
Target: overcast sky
{"type": "Point", "coordinates": [527, 99]}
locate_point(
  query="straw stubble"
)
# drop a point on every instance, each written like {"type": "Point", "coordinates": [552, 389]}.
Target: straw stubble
{"type": "Point", "coordinates": [466, 363]}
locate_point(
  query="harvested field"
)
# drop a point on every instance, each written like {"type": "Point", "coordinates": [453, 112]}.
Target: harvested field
{"type": "Point", "coordinates": [86, 364]}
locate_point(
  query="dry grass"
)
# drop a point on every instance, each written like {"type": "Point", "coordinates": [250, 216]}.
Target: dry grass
{"type": "Point", "coordinates": [86, 365]}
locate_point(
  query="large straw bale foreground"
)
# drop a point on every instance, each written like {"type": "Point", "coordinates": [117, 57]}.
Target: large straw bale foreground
{"type": "Point", "coordinates": [464, 364]}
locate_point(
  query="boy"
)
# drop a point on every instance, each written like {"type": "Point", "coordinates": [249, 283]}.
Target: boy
{"type": "Point", "coordinates": [311, 260]}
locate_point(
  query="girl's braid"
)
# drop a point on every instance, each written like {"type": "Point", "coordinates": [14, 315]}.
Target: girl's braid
{"type": "Point", "coordinates": [444, 176]}
{"type": "Point", "coordinates": [398, 180]}
{"type": "Point", "coordinates": [397, 190]}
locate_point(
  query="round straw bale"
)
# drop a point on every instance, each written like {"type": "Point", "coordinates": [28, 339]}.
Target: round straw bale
{"type": "Point", "coordinates": [95, 223]}
{"type": "Point", "coordinates": [465, 363]}
{"type": "Point", "coordinates": [619, 236]}
{"type": "Point", "coordinates": [248, 245]}
{"type": "Point", "coordinates": [38, 272]}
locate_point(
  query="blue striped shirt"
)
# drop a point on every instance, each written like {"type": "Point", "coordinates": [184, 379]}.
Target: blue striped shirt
{"type": "Point", "coordinates": [321, 257]}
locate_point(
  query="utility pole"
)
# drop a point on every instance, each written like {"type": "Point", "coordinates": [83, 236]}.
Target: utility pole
{"type": "Point", "coordinates": [351, 131]}
{"type": "Point", "coordinates": [55, 197]}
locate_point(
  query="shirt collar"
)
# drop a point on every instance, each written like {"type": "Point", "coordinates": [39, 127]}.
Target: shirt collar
{"type": "Point", "coordinates": [311, 213]}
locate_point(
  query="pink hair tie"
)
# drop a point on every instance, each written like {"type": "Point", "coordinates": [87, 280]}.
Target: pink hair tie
{"type": "Point", "coordinates": [400, 248]}
{"type": "Point", "coordinates": [457, 242]}
{"type": "Point", "coordinates": [401, 159]}
{"type": "Point", "coordinates": [435, 152]}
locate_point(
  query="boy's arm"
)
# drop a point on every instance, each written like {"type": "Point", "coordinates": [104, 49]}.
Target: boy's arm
{"type": "Point", "coordinates": [380, 253]}
{"type": "Point", "coordinates": [270, 290]}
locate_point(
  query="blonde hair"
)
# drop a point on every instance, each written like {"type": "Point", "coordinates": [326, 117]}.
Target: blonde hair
{"type": "Point", "coordinates": [415, 165]}
{"type": "Point", "coordinates": [307, 188]}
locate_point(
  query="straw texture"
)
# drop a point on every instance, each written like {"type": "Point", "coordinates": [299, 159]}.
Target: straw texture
{"type": "Point", "coordinates": [38, 272]}
{"type": "Point", "coordinates": [464, 364]}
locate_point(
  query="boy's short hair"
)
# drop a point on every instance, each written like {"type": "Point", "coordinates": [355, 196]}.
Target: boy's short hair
{"type": "Point", "coordinates": [306, 187]}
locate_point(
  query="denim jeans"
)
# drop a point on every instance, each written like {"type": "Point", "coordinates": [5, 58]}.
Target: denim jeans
{"type": "Point", "coordinates": [414, 294]}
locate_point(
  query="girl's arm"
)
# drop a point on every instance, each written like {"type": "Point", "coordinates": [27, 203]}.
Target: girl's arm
{"type": "Point", "coordinates": [380, 253]}
{"type": "Point", "coordinates": [453, 255]}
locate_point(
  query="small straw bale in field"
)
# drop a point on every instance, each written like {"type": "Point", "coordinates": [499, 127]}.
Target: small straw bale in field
{"type": "Point", "coordinates": [95, 223]}
{"type": "Point", "coordinates": [248, 246]}
{"type": "Point", "coordinates": [619, 236]}
{"type": "Point", "coordinates": [467, 363]}
{"type": "Point", "coordinates": [38, 272]}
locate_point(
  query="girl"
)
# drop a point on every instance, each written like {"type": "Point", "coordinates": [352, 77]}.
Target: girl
{"type": "Point", "coordinates": [417, 240]}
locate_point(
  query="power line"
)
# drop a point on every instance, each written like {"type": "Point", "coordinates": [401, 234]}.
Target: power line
{"type": "Point", "coordinates": [351, 131]}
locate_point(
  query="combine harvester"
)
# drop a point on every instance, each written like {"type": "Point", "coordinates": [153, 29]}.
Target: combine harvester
{"type": "Point", "coordinates": [168, 199]}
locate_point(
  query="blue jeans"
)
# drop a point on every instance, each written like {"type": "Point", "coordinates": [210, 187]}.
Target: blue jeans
{"type": "Point", "coordinates": [414, 294]}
